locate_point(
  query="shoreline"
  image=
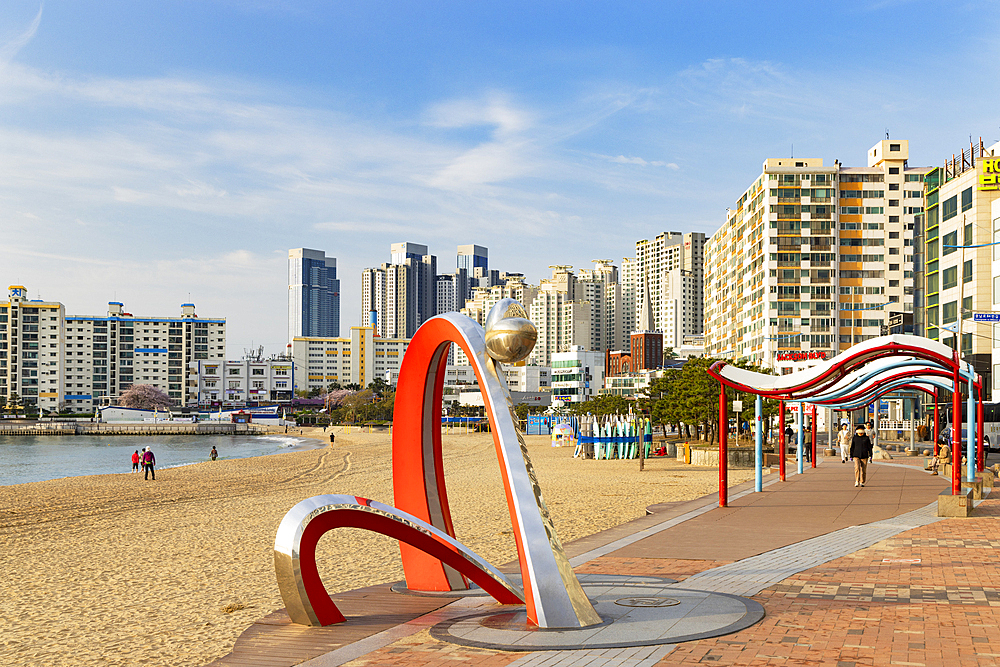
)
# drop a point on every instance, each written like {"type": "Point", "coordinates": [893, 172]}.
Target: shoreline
{"type": "Point", "coordinates": [172, 572]}
{"type": "Point", "coordinates": [302, 442]}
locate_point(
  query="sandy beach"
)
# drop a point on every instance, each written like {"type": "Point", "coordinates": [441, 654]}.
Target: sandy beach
{"type": "Point", "coordinates": [113, 570]}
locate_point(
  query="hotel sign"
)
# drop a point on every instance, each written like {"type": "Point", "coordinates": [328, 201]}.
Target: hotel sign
{"type": "Point", "coordinates": [799, 356]}
{"type": "Point", "coordinates": [991, 170]}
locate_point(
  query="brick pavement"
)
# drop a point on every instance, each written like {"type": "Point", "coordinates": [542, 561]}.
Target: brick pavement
{"type": "Point", "coordinates": [927, 596]}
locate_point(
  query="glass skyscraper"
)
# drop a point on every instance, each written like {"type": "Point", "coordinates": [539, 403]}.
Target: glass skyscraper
{"type": "Point", "coordinates": [313, 294]}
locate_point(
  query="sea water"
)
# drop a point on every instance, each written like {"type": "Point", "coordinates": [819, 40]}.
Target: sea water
{"type": "Point", "coordinates": [35, 458]}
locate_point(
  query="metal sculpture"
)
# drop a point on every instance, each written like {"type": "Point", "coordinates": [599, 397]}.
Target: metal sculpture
{"type": "Point", "coordinates": [432, 559]}
{"type": "Point", "coordinates": [305, 597]}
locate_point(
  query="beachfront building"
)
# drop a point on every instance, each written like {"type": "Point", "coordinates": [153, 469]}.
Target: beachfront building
{"type": "Point", "coordinates": [32, 336]}
{"type": "Point", "coordinates": [249, 381]}
{"type": "Point", "coordinates": [61, 363]}
{"type": "Point", "coordinates": [577, 374]}
{"type": "Point", "coordinates": [960, 197]}
{"type": "Point", "coordinates": [319, 363]}
{"type": "Point", "coordinates": [814, 258]}
{"type": "Point", "coordinates": [121, 349]}
{"type": "Point", "coordinates": [313, 294]}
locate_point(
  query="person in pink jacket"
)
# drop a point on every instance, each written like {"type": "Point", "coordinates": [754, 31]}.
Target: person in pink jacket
{"type": "Point", "coordinates": [148, 461]}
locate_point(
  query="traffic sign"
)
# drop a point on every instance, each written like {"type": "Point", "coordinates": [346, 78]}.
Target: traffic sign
{"type": "Point", "coordinates": [986, 317]}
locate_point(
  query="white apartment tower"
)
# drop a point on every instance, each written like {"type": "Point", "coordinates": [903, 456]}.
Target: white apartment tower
{"type": "Point", "coordinates": [670, 268]}
{"type": "Point", "coordinates": [814, 259]}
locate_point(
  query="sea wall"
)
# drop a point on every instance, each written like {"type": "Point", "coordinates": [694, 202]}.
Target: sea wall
{"type": "Point", "coordinates": [105, 429]}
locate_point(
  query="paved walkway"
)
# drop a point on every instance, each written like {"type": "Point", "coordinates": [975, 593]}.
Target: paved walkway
{"type": "Point", "coordinates": [847, 576]}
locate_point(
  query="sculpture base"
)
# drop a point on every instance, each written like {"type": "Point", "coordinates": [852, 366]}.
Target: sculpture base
{"type": "Point", "coordinates": [584, 579]}
{"type": "Point", "coordinates": [645, 613]}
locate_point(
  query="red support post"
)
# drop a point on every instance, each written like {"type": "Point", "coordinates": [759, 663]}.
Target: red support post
{"type": "Point", "coordinates": [937, 427]}
{"type": "Point", "coordinates": [814, 436]}
{"type": "Point", "coordinates": [723, 448]}
{"type": "Point", "coordinates": [781, 441]}
{"type": "Point", "coordinates": [956, 433]}
{"type": "Point", "coordinates": [980, 434]}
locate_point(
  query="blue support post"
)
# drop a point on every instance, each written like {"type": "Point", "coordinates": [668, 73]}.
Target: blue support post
{"type": "Point", "coordinates": [970, 445]}
{"type": "Point", "coordinates": [758, 453]}
{"type": "Point", "coordinates": [799, 422]}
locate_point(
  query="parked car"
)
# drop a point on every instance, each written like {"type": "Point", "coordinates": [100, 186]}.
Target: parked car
{"type": "Point", "coordinates": [944, 438]}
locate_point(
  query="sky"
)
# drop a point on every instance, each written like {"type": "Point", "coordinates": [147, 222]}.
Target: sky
{"type": "Point", "coordinates": [157, 153]}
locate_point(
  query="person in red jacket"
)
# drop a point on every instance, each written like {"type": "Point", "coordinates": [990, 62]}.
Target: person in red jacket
{"type": "Point", "coordinates": [148, 461]}
{"type": "Point", "coordinates": [135, 461]}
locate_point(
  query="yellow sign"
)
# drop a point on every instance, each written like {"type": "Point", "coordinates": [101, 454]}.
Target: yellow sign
{"type": "Point", "coordinates": [991, 170]}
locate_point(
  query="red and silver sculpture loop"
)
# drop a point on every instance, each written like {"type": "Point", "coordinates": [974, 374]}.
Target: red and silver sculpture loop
{"type": "Point", "coordinates": [432, 559]}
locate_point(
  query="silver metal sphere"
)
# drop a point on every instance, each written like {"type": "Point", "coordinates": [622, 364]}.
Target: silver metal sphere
{"type": "Point", "coordinates": [511, 339]}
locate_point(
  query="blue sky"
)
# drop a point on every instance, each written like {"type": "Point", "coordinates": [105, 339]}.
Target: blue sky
{"type": "Point", "coordinates": [154, 153]}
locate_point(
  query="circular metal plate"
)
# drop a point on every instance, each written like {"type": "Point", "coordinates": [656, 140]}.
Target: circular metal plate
{"type": "Point", "coordinates": [655, 601]}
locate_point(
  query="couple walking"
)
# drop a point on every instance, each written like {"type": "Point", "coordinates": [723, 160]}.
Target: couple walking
{"type": "Point", "coordinates": [147, 460]}
{"type": "Point", "coordinates": [858, 447]}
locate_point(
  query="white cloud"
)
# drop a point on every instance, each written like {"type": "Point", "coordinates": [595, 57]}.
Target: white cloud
{"type": "Point", "coordinates": [10, 49]}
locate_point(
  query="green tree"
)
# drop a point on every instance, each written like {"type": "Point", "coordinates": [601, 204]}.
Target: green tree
{"type": "Point", "coordinates": [14, 402]}
{"type": "Point", "coordinates": [602, 406]}
{"type": "Point", "coordinates": [379, 386]}
{"type": "Point", "coordinates": [658, 403]}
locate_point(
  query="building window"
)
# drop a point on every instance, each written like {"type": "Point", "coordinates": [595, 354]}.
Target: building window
{"type": "Point", "coordinates": [932, 283]}
{"type": "Point", "coordinates": [949, 277]}
{"type": "Point", "coordinates": [894, 148]}
{"type": "Point", "coordinates": [967, 271]}
{"type": "Point", "coordinates": [949, 312]}
{"type": "Point", "coordinates": [967, 199]}
{"type": "Point", "coordinates": [966, 307]}
{"type": "Point", "coordinates": [893, 170]}
{"type": "Point", "coordinates": [949, 243]}
{"type": "Point", "coordinates": [949, 209]}
{"type": "Point", "coordinates": [967, 235]}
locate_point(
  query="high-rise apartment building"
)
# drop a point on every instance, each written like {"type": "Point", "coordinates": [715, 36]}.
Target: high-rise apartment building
{"type": "Point", "coordinates": [74, 363]}
{"type": "Point", "coordinates": [313, 294]}
{"type": "Point", "coordinates": [562, 321]}
{"type": "Point", "coordinates": [399, 296]}
{"type": "Point", "coordinates": [671, 267]}
{"type": "Point", "coordinates": [471, 257]}
{"type": "Point", "coordinates": [600, 287]}
{"type": "Point", "coordinates": [959, 281]}
{"type": "Point", "coordinates": [32, 340]}
{"type": "Point", "coordinates": [814, 259]}
{"type": "Point", "coordinates": [421, 288]}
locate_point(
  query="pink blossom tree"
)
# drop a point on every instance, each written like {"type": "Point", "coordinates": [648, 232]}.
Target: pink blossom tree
{"type": "Point", "coordinates": [144, 397]}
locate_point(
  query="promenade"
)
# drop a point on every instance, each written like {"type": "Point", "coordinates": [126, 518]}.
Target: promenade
{"type": "Point", "coordinates": [846, 576]}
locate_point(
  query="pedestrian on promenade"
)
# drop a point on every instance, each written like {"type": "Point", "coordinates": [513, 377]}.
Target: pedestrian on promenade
{"type": "Point", "coordinates": [148, 461]}
{"type": "Point", "coordinates": [861, 452]}
{"type": "Point", "coordinates": [214, 454]}
{"type": "Point", "coordinates": [788, 438]}
{"type": "Point", "coordinates": [135, 461]}
{"type": "Point", "coordinates": [844, 440]}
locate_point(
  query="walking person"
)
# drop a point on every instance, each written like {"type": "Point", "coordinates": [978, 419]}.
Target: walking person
{"type": "Point", "coordinates": [844, 440]}
{"type": "Point", "coordinates": [148, 461]}
{"type": "Point", "coordinates": [861, 452]}
{"type": "Point", "coordinates": [135, 461]}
